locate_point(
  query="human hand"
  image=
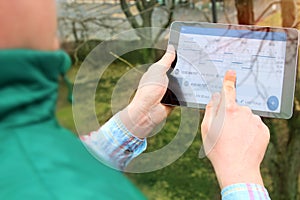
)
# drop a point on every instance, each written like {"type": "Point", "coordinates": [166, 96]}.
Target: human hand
{"type": "Point", "coordinates": [235, 140]}
{"type": "Point", "coordinates": [145, 110]}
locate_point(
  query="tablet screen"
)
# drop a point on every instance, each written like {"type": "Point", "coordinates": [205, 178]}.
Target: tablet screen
{"type": "Point", "coordinates": [258, 55]}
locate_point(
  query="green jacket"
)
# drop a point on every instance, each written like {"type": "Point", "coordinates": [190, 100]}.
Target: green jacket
{"type": "Point", "coordinates": [39, 158]}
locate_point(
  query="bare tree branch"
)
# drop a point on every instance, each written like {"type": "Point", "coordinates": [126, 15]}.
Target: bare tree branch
{"type": "Point", "coordinates": [129, 15]}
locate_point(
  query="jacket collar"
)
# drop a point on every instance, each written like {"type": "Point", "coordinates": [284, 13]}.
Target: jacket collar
{"type": "Point", "coordinates": [29, 84]}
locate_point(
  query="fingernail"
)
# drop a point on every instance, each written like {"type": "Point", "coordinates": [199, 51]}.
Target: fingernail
{"type": "Point", "coordinates": [231, 72]}
{"type": "Point", "coordinates": [231, 76]}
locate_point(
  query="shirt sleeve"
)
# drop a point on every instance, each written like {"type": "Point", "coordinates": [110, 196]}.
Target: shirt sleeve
{"type": "Point", "coordinates": [245, 191]}
{"type": "Point", "coordinates": [113, 144]}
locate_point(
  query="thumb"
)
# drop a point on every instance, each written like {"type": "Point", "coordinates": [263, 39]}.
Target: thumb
{"type": "Point", "coordinates": [168, 58]}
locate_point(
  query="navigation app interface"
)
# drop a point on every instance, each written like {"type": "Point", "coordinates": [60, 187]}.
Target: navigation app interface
{"type": "Point", "coordinates": [205, 54]}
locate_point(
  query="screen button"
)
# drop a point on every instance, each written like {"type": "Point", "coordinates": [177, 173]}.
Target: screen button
{"type": "Point", "coordinates": [272, 103]}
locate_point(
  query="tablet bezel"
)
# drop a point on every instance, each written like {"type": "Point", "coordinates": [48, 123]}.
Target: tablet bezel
{"type": "Point", "coordinates": [290, 67]}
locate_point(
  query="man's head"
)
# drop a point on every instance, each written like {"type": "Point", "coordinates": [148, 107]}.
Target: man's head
{"type": "Point", "coordinates": [29, 24]}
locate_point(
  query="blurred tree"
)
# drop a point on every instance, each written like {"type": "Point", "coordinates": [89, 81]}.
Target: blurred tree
{"type": "Point", "coordinates": [139, 14]}
{"type": "Point", "coordinates": [245, 12]}
{"type": "Point", "coordinates": [288, 10]}
{"type": "Point", "coordinates": [282, 159]}
{"type": "Point", "coordinates": [297, 23]}
{"type": "Point", "coordinates": [284, 165]}
{"type": "Point", "coordinates": [79, 21]}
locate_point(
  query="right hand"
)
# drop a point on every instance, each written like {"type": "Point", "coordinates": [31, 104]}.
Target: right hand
{"type": "Point", "coordinates": [235, 140]}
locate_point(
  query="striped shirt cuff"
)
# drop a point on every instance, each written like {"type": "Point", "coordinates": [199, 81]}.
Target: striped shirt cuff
{"type": "Point", "coordinates": [113, 144]}
{"type": "Point", "coordinates": [245, 191]}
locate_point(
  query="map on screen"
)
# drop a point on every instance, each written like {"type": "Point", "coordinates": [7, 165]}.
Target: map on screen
{"type": "Point", "coordinates": [205, 54]}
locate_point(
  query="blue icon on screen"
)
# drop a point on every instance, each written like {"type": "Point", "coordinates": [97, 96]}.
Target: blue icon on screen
{"type": "Point", "coordinates": [272, 103]}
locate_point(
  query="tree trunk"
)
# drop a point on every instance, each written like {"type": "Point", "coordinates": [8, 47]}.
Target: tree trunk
{"type": "Point", "coordinates": [283, 157]}
{"type": "Point", "coordinates": [288, 10]}
{"type": "Point", "coordinates": [245, 11]}
{"type": "Point", "coordinates": [297, 22]}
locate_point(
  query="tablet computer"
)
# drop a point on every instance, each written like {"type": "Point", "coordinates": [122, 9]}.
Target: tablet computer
{"type": "Point", "coordinates": [264, 58]}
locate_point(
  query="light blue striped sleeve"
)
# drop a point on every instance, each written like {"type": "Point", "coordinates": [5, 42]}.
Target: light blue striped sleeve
{"type": "Point", "coordinates": [113, 144]}
{"type": "Point", "coordinates": [245, 191]}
